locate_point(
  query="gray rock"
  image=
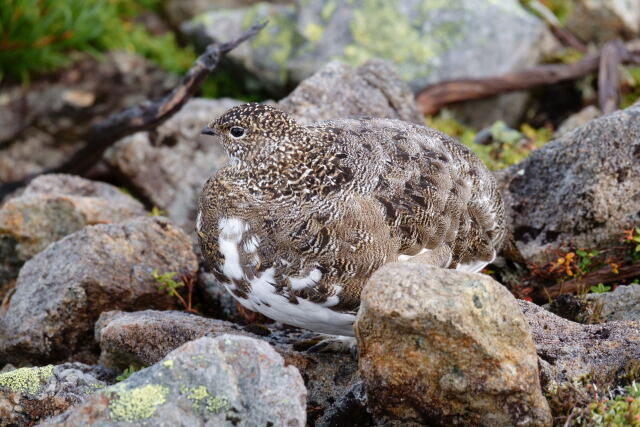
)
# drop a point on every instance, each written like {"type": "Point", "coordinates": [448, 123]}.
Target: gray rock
{"type": "Point", "coordinates": [621, 304]}
{"type": "Point", "coordinates": [44, 123]}
{"type": "Point", "coordinates": [579, 188]}
{"type": "Point", "coordinates": [578, 119]}
{"type": "Point", "coordinates": [596, 353]}
{"type": "Point", "coordinates": [178, 11]}
{"type": "Point", "coordinates": [604, 20]}
{"type": "Point", "coordinates": [51, 207]}
{"type": "Point", "coordinates": [427, 42]}
{"type": "Point", "coordinates": [338, 91]}
{"type": "Point", "coordinates": [61, 291]}
{"type": "Point", "coordinates": [169, 165]}
{"type": "Point", "coordinates": [224, 381]}
{"type": "Point", "coordinates": [449, 347]}
{"type": "Point", "coordinates": [30, 395]}
{"type": "Point", "coordinates": [144, 338]}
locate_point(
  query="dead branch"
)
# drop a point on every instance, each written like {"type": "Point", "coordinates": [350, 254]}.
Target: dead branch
{"type": "Point", "coordinates": [141, 117]}
{"type": "Point", "coordinates": [432, 98]}
{"type": "Point", "coordinates": [608, 76]}
{"type": "Point", "coordinates": [602, 275]}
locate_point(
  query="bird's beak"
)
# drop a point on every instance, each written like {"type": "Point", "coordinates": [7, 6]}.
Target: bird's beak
{"type": "Point", "coordinates": [208, 131]}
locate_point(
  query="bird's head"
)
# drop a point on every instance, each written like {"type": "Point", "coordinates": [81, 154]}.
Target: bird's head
{"type": "Point", "coordinates": [249, 128]}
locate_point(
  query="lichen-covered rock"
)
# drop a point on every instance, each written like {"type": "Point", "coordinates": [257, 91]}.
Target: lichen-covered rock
{"type": "Point", "coordinates": [427, 41]}
{"type": "Point", "coordinates": [30, 395]}
{"type": "Point", "coordinates": [51, 207]}
{"type": "Point", "coordinates": [225, 381]}
{"type": "Point", "coordinates": [597, 353]}
{"type": "Point", "coordinates": [581, 188]}
{"type": "Point", "coordinates": [170, 165]}
{"type": "Point", "coordinates": [578, 119]}
{"type": "Point", "coordinates": [448, 347]}
{"type": "Point", "coordinates": [338, 91]}
{"type": "Point", "coordinates": [603, 20]}
{"type": "Point", "coordinates": [61, 291]}
{"type": "Point", "coordinates": [145, 337]}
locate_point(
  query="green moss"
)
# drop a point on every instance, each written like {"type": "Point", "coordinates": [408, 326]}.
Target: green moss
{"type": "Point", "coordinates": [26, 380]}
{"type": "Point", "coordinates": [622, 410]}
{"type": "Point", "coordinates": [201, 398]}
{"type": "Point", "coordinates": [137, 403]}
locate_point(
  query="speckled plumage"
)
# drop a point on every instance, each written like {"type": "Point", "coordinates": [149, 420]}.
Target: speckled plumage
{"type": "Point", "coordinates": [302, 216]}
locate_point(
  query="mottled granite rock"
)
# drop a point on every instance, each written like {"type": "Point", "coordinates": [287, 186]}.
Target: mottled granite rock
{"type": "Point", "coordinates": [373, 89]}
{"type": "Point", "coordinates": [51, 207]}
{"type": "Point", "coordinates": [580, 188]}
{"type": "Point", "coordinates": [224, 381]}
{"type": "Point", "coordinates": [61, 291]}
{"type": "Point", "coordinates": [603, 20]}
{"type": "Point", "coordinates": [447, 347]}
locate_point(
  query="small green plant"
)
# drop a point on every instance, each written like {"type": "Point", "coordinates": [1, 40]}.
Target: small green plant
{"type": "Point", "coordinates": [600, 288]}
{"type": "Point", "coordinates": [166, 282]}
{"type": "Point", "coordinates": [156, 211]}
{"type": "Point", "coordinates": [632, 238]}
{"type": "Point", "coordinates": [127, 372]}
{"type": "Point", "coordinates": [621, 410]}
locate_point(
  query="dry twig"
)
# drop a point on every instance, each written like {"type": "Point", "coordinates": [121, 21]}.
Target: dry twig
{"type": "Point", "coordinates": [145, 116]}
{"type": "Point", "coordinates": [432, 98]}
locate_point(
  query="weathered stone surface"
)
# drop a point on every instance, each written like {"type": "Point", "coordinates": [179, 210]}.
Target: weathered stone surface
{"type": "Point", "coordinates": [582, 188]}
{"type": "Point", "coordinates": [30, 395]}
{"type": "Point", "coordinates": [169, 165]}
{"type": "Point", "coordinates": [578, 119]}
{"type": "Point", "coordinates": [604, 20]}
{"type": "Point", "coordinates": [61, 291]}
{"type": "Point", "coordinates": [51, 207]}
{"type": "Point", "coordinates": [142, 338]}
{"type": "Point", "coordinates": [598, 353]}
{"type": "Point", "coordinates": [338, 91]}
{"type": "Point", "coordinates": [145, 337]}
{"type": "Point", "coordinates": [178, 11]}
{"type": "Point", "coordinates": [44, 123]}
{"type": "Point", "coordinates": [623, 303]}
{"type": "Point", "coordinates": [448, 347]}
{"type": "Point", "coordinates": [427, 41]}
{"type": "Point", "coordinates": [224, 381]}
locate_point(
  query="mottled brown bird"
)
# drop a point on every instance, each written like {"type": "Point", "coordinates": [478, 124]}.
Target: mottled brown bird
{"type": "Point", "coordinates": [303, 215]}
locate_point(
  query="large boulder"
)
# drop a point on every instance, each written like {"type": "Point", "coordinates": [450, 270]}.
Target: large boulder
{"type": "Point", "coordinates": [428, 41]}
{"type": "Point", "coordinates": [30, 395]}
{"type": "Point", "coordinates": [623, 303]}
{"type": "Point", "coordinates": [580, 188]}
{"type": "Point", "coordinates": [447, 347]}
{"type": "Point", "coordinates": [373, 89]}
{"type": "Point", "coordinates": [573, 352]}
{"type": "Point", "coordinates": [143, 338]}
{"type": "Point", "coordinates": [224, 381]}
{"type": "Point", "coordinates": [169, 165]}
{"type": "Point", "coordinates": [51, 207]}
{"type": "Point", "coordinates": [61, 291]}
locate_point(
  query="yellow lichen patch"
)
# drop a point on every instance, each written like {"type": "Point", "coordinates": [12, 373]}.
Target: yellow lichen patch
{"type": "Point", "coordinates": [168, 363]}
{"type": "Point", "coordinates": [313, 32]}
{"type": "Point", "coordinates": [26, 380]}
{"type": "Point", "coordinates": [137, 403]}
{"type": "Point", "coordinates": [200, 394]}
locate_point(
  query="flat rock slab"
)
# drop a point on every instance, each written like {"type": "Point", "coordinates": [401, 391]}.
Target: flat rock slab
{"type": "Point", "coordinates": [61, 291]}
{"type": "Point", "coordinates": [449, 347]}
{"type": "Point", "coordinates": [600, 353]}
{"type": "Point", "coordinates": [224, 381]}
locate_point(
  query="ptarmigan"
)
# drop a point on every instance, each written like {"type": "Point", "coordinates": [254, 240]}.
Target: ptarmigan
{"type": "Point", "coordinates": [303, 215]}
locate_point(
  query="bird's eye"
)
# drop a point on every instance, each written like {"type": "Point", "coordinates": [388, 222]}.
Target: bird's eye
{"type": "Point", "coordinates": [236, 132]}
